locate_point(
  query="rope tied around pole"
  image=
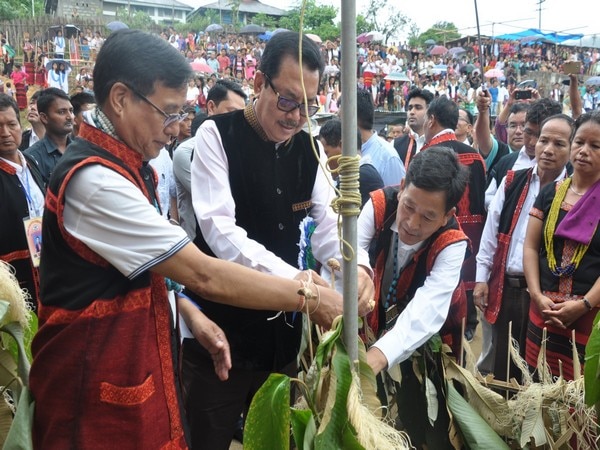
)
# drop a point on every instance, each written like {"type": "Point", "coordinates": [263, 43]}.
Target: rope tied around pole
{"type": "Point", "coordinates": [348, 201]}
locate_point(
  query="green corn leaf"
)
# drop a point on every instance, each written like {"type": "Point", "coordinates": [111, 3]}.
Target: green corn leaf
{"type": "Point", "coordinates": [478, 435]}
{"type": "Point", "coordinates": [300, 421]}
{"type": "Point", "coordinates": [592, 365]}
{"type": "Point", "coordinates": [268, 422]}
{"type": "Point", "coordinates": [335, 422]}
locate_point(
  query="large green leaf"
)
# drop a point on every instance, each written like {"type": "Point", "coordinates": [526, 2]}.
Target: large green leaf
{"type": "Point", "coordinates": [20, 433]}
{"type": "Point", "coordinates": [300, 421]}
{"type": "Point", "coordinates": [592, 365]}
{"type": "Point", "coordinates": [16, 331]}
{"type": "Point", "coordinates": [335, 420]}
{"type": "Point", "coordinates": [478, 435]}
{"type": "Point", "coordinates": [533, 422]}
{"type": "Point", "coordinates": [28, 334]}
{"type": "Point", "coordinates": [268, 422]}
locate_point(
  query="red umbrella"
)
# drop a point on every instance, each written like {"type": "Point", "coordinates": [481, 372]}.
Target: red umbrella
{"type": "Point", "coordinates": [201, 67]}
{"type": "Point", "coordinates": [438, 50]}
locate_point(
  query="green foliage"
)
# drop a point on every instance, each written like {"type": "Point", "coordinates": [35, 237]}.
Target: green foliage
{"type": "Point", "coordinates": [265, 21]}
{"type": "Point", "coordinates": [318, 19]}
{"type": "Point", "coordinates": [362, 25]}
{"type": "Point", "coordinates": [592, 367]}
{"type": "Point", "coordinates": [138, 20]}
{"type": "Point", "coordinates": [325, 424]}
{"type": "Point", "coordinates": [13, 9]}
{"type": "Point", "coordinates": [478, 435]}
{"type": "Point", "coordinates": [440, 32]}
{"type": "Point", "coordinates": [199, 22]}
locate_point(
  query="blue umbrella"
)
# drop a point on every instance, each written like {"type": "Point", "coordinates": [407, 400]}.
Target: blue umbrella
{"type": "Point", "coordinates": [214, 28]}
{"type": "Point", "coordinates": [116, 25]}
{"type": "Point", "coordinates": [266, 35]}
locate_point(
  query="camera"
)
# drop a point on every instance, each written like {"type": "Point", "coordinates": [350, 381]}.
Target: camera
{"type": "Point", "coordinates": [522, 94]}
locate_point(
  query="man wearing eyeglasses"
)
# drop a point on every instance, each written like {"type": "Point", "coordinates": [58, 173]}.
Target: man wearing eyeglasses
{"type": "Point", "coordinates": [104, 369]}
{"type": "Point", "coordinates": [255, 177]}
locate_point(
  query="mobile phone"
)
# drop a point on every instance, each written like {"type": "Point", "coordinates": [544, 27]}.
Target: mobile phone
{"type": "Point", "coordinates": [572, 67]}
{"type": "Point", "coordinates": [522, 94]}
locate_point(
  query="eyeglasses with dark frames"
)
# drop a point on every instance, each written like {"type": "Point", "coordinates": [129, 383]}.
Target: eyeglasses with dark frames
{"type": "Point", "coordinates": [170, 119]}
{"type": "Point", "coordinates": [288, 105]}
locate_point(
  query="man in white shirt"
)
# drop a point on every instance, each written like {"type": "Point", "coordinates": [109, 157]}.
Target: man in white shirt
{"type": "Point", "coordinates": [417, 299]}
{"type": "Point", "coordinates": [255, 178]}
{"type": "Point", "coordinates": [500, 290]}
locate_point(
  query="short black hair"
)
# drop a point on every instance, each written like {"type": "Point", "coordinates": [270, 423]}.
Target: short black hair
{"type": "Point", "coordinates": [34, 97]}
{"type": "Point", "coordinates": [365, 109]}
{"type": "Point", "coordinates": [78, 100]}
{"type": "Point", "coordinates": [285, 44]}
{"type": "Point", "coordinates": [331, 132]}
{"type": "Point", "coordinates": [7, 102]}
{"type": "Point", "coordinates": [516, 108]}
{"type": "Point", "coordinates": [562, 117]}
{"type": "Point", "coordinates": [541, 109]}
{"type": "Point", "coordinates": [438, 170]}
{"type": "Point", "coordinates": [445, 112]}
{"type": "Point", "coordinates": [469, 114]}
{"type": "Point", "coordinates": [419, 93]}
{"type": "Point", "coordinates": [221, 89]}
{"type": "Point", "coordinates": [49, 96]}
{"type": "Point", "coordinates": [140, 59]}
{"type": "Point", "coordinates": [592, 116]}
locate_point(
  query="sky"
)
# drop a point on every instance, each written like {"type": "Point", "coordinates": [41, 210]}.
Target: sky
{"type": "Point", "coordinates": [496, 17]}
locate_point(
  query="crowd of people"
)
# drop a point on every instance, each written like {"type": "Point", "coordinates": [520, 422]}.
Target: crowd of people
{"type": "Point", "coordinates": [176, 201]}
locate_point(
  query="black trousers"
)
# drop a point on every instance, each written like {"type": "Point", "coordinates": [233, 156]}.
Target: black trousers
{"type": "Point", "coordinates": [515, 308]}
{"type": "Point", "coordinates": [213, 407]}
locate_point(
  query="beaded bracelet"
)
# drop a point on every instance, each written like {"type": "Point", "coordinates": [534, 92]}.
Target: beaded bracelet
{"type": "Point", "coordinates": [587, 303]}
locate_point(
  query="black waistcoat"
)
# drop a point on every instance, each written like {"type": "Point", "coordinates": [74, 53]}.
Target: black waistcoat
{"type": "Point", "coordinates": [265, 184]}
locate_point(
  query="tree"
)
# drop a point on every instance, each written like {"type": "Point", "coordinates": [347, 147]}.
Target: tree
{"type": "Point", "coordinates": [318, 19]}
{"type": "Point", "coordinates": [12, 9]}
{"type": "Point", "coordinates": [199, 22]}
{"type": "Point", "coordinates": [441, 32]}
{"type": "Point", "coordinates": [138, 20]}
{"type": "Point", "coordinates": [362, 25]}
{"type": "Point", "coordinates": [265, 21]}
{"type": "Point", "coordinates": [384, 17]}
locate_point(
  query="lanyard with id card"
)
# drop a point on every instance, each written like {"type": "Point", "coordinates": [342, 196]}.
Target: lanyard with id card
{"type": "Point", "coordinates": [33, 224]}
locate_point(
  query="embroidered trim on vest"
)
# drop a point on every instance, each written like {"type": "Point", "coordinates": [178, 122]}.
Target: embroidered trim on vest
{"type": "Point", "coordinates": [14, 256]}
{"type": "Point", "coordinates": [408, 157]}
{"type": "Point", "coordinates": [440, 139]}
{"type": "Point", "coordinates": [250, 116]}
{"type": "Point", "coordinates": [535, 212]}
{"type": "Point", "coordinates": [6, 167]}
{"type": "Point", "coordinates": [117, 395]}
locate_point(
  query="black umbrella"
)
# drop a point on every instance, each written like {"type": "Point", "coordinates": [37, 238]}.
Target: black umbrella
{"type": "Point", "coordinates": [251, 29]}
{"type": "Point", "coordinates": [116, 25]}
{"type": "Point", "coordinates": [57, 61]}
{"type": "Point", "coordinates": [213, 28]}
{"type": "Point", "coordinates": [68, 30]}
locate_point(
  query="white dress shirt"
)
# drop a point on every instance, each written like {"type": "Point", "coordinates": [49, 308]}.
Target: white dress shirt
{"type": "Point", "coordinates": [214, 207]}
{"type": "Point", "coordinates": [523, 162]}
{"type": "Point", "coordinates": [426, 313]}
{"type": "Point", "coordinates": [489, 237]}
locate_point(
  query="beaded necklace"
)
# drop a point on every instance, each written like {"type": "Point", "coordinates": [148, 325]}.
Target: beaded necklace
{"type": "Point", "coordinates": [549, 230]}
{"type": "Point", "coordinates": [103, 123]}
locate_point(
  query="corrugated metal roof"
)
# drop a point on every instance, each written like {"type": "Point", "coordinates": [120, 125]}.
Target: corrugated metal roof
{"type": "Point", "coordinates": [248, 6]}
{"type": "Point", "coordinates": [161, 3]}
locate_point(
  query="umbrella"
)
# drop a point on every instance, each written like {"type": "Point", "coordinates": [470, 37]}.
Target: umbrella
{"type": "Point", "coordinates": [201, 67]}
{"type": "Point", "coordinates": [455, 51]}
{"type": "Point", "coordinates": [213, 28]}
{"type": "Point", "coordinates": [68, 30]}
{"type": "Point", "coordinates": [397, 76]}
{"type": "Point", "coordinates": [265, 36]}
{"type": "Point", "coordinates": [468, 68]}
{"type": "Point", "coordinates": [375, 36]}
{"type": "Point", "coordinates": [362, 38]}
{"type": "Point", "coordinates": [438, 50]}
{"type": "Point", "coordinates": [58, 61]}
{"type": "Point", "coordinates": [527, 83]}
{"type": "Point", "coordinates": [440, 68]}
{"type": "Point", "coordinates": [593, 81]}
{"type": "Point", "coordinates": [331, 70]}
{"type": "Point", "coordinates": [429, 42]}
{"type": "Point", "coordinates": [314, 38]}
{"type": "Point", "coordinates": [251, 29]}
{"type": "Point", "coordinates": [116, 25]}
{"type": "Point", "coordinates": [494, 73]}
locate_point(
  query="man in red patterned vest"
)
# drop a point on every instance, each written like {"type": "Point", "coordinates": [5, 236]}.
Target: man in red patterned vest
{"type": "Point", "coordinates": [418, 248]}
{"type": "Point", "coordinates": [440, 123]}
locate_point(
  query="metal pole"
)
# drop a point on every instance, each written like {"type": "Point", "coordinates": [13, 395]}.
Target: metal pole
{"type": "Point", "coordinates": [481, 57]}
{"type": "Point", "coordinates": [349, 144]}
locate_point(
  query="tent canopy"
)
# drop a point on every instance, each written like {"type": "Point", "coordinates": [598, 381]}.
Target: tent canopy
{"type": "Point", "coordinates": [555, 38]}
